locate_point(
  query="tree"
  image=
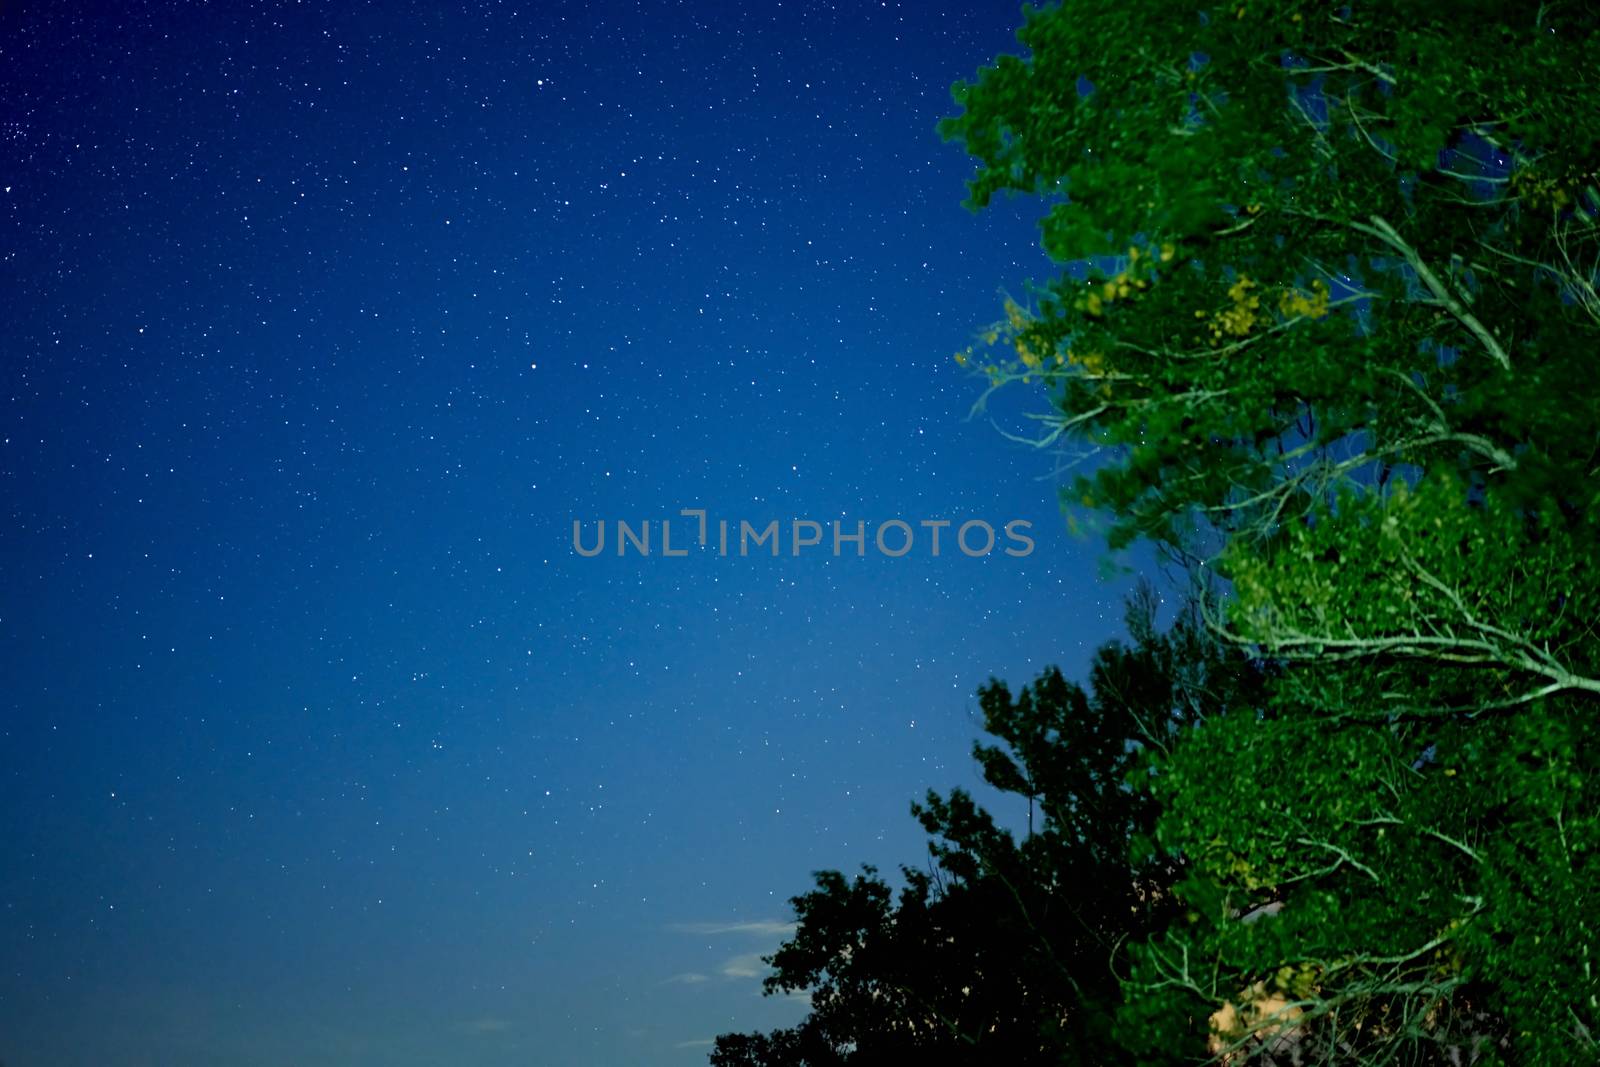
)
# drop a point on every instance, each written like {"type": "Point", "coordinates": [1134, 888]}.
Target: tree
{"type": "Point", "coordinates": [1004, 949]}
{"type": "Point", "coordinates": [1332, 316]}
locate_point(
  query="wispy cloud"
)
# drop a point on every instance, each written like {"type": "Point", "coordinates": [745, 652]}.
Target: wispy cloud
{"type": "Point", "coordinates": [701, 1042]}
{"type": "Point", "coordinates": [747, 966]}
{"type": "Point", "coordinates": [756, 927]}
{"type": "Point", "coordinates": [480, 1027]}
{"type": "Point", "coordinates": [689, 978]}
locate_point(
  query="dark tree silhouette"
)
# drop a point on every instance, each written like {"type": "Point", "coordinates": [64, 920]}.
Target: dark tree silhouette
{"type": "Point", "coordinates": [1004, 949]}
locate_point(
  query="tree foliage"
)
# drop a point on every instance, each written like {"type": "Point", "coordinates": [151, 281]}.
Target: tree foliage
{"type": "Point", "coordinates": [1335, 311]}
{"type": "Point", "coordinates": [1329, 317]}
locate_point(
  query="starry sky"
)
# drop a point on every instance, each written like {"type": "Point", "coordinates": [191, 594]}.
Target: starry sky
{"type": "Point", "coordinates": [320, 326]}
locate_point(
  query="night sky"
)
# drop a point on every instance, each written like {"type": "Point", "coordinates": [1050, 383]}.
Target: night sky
{"type": "Point", "coordinates": [320, 325]}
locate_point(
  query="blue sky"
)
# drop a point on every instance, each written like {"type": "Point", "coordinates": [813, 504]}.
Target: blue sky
{"type": "Point", "coordinates": [318, 742]}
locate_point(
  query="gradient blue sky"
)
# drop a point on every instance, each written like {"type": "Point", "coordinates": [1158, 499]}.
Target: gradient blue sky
{"type": "Point", "coordinates": [320, 325]}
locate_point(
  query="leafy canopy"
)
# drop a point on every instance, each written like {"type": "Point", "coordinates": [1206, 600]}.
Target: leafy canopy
{"type": "Point", "coordinates": [1331, 313]}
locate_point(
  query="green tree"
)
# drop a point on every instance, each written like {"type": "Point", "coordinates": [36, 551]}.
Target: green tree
{"type": "Point", "coordinates": [1333, 319]}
